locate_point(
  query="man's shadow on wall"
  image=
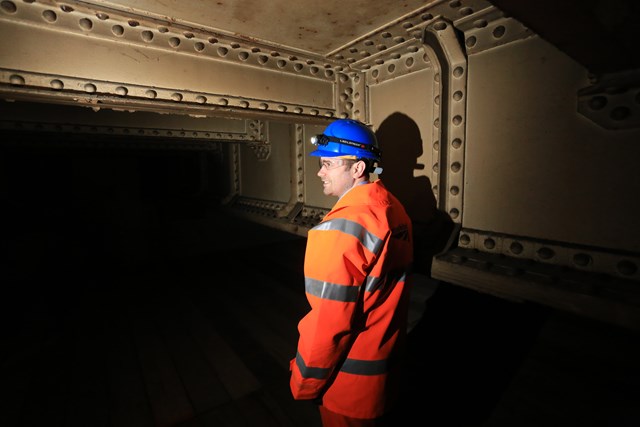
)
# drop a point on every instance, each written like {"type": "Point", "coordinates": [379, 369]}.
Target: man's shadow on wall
{"type": "Point", "coordinates": [402, 145]}
{"type": "Point", "coordinates": [467, 346]}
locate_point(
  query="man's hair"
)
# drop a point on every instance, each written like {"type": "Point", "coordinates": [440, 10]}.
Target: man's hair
{"type": "Point", "coordinates": [369, 164]}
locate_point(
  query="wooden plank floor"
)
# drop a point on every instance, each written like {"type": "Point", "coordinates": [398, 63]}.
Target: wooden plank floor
{"type": "Point", "coordinates": [201, 333]}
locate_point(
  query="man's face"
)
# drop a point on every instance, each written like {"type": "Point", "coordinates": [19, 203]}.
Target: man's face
{"type": "Point", "coordinates": [336, 175]}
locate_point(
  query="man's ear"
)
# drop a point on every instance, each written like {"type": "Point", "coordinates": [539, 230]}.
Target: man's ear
{"type": "Point", "coordinates": [360, 169]}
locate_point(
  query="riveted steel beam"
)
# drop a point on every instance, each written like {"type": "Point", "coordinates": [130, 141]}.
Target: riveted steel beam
{"type": "Point", "coordinates": [613, 101]}
{"type": "Point", "coordinates": [448, 168]}
{"type": "Point", "coordinates": [89, 54]}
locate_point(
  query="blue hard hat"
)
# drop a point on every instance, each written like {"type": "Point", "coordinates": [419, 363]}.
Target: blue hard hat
{"type": "Point", "coordinates": [346, 137]}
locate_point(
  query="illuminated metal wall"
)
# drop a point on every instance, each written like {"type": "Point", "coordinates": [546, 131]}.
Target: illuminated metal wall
{"type": "Point", "coordinates": [526, 153]}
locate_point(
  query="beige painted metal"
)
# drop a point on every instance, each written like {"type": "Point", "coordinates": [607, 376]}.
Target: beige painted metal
{"type": "Point", "coordinates": [553, 174]}
{"type": "Point", "coordinates": [318, 27]}
{"type": "Point", "coordinates": [402, 114]}
{"type": "Point", "coordinates": [470, 106]}
{"type": "Point", "coordinates": [213, 60]}
{"type": "Point", "coordinates": [49, 58]}
{"type": "Point", "coordinates": [268, 179]}
{"type": "Point", "coordinates": [74, 119]}
{"type": "Point", "coordinates": [314, 197]}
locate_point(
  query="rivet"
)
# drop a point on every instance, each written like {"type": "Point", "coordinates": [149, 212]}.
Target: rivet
{"type": "Point", "coordinates": [582, 260]}
{"type": "Point", "coordinates": [117, 30]}
{"type": "Point", "coordinates": [17, 80]}
{"type": "Point", "coordinates": [489, 243]}
{"type": "Point", "coordinates": [85, 24]}
{"type": "Point", "coordinates": [546, 253]}
{"type": "Point", "coordinates": [499, 31]}
{"type": "Point", "coordinates": [466, 11]}
{"type": "Point", "coordinates": [516, 248]}
{"type": "Point", "coordinates": [8, 7]}
{"type": "Point", "coordinates": [49, 16]}
{"type": "Point", "coordinates": [439, 26]}
{"type": "Point", "coordinates": [597, 102]}
{"type": "Point", "coordinates": [480, 23]}
{"type": "Point", "coordinates": [471, 41]}
{"type": "Point", "coordinates": [627, 268]}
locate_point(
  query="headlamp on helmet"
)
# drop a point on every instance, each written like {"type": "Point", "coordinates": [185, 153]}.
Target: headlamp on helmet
{"type": "Point", "coordinates": [324, 140]}
{"type": "Point", "coordinates": [346, 137]}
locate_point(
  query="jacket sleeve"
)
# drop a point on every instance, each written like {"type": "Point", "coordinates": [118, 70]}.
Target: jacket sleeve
{"type": "Point", "coordinates": [339, 254]}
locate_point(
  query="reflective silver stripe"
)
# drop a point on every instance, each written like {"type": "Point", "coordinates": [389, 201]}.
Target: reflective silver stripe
{"type": "Point", "coordinates": [403, 278]}
{"type": "Point", "coordinates": [307, 372]}
{"type": "Point", "coordinates": [373, 284]}
{"type": "Point", "coordinates": [368, 240]}
{"type": "Point", "coordinates": [326, 290]}
{"type": "Point", "coordinates": [364, 367]}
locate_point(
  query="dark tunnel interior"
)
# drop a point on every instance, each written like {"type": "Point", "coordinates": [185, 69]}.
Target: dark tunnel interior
{"type": "Point", "coordinates": [89, 229]}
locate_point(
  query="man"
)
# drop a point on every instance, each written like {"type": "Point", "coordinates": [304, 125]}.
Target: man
{"type": "Point", "coordinates": [356, 265]}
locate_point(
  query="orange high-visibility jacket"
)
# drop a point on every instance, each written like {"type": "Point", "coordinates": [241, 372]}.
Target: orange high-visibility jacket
{"type": "Point", "coordinates": [356, 265]}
